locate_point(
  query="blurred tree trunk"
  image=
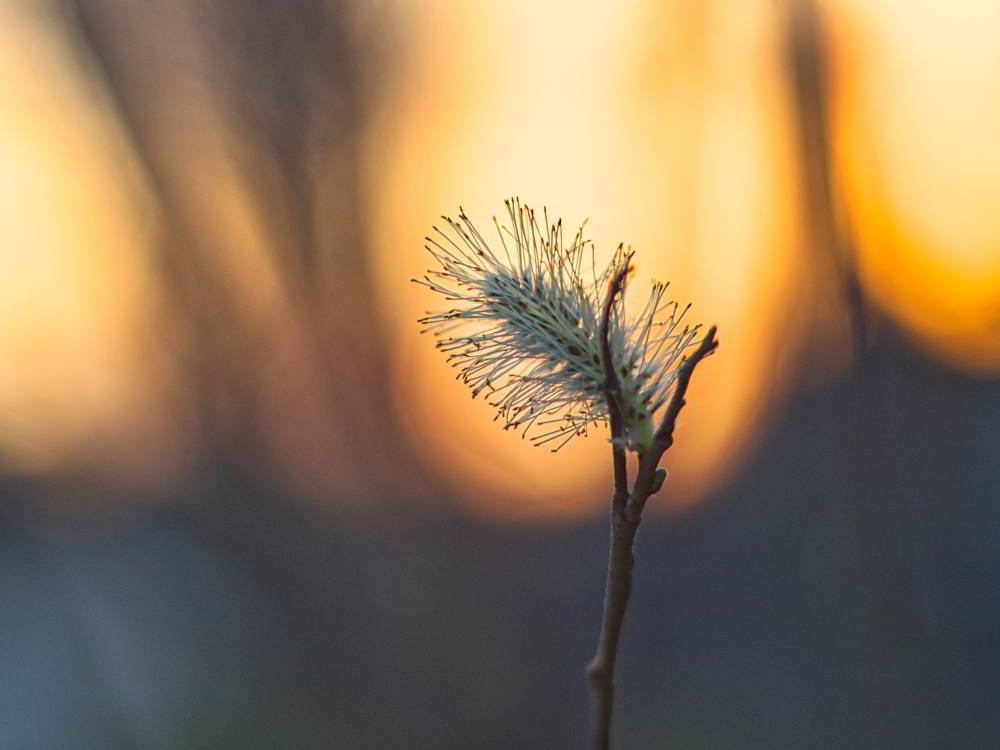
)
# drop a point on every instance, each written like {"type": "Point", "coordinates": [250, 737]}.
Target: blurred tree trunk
{"type": "Point", "coordinates": [248, 121]}
{"type": "Point", "coordinates": [900, 688]}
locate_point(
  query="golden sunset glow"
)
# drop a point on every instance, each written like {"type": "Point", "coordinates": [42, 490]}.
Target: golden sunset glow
{"type": "Point", "coordinates": [75, 292]}
{"type": "Point", "coordinates": [681, 152]}
{"type": "Point", "coordinates": [668, 126]}
{"type": "Point", "coordinates": [918, 112]}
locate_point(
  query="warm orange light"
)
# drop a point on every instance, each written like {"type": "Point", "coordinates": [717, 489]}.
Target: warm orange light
{"type": "Point", "coordinates": [74, 291]}
{"type": "Point", "coordinates": [918, 112]}
{"type": "Point", "coordinates": [682, 153]}
{"type": "Point", "coordinates": [667, 124]}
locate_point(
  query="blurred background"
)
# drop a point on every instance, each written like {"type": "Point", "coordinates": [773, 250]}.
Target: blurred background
{"type": "Point", "coordinates": [243, 504]}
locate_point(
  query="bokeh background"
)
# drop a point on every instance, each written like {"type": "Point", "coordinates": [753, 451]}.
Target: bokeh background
{"type": "Point", "coordinates": [244, 504]}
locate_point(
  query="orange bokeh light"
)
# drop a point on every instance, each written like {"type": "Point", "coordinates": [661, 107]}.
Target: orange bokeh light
{"type": "Point", "coordinates": [669, 125]}
{"type": "Point", "coordinates": [917, 113]}
{"type": "Point", "coordinates": [690, 164]}
{"type": "Point", "coordinates": [76, 289]}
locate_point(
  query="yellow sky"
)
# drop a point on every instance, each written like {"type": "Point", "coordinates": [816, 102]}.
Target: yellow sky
{"type": "Point", "coordinates": [668, 125]}
{"type": "Point", "coordinates": [581, 108]}
{"type": "Point", "coordinates": [73, 265]}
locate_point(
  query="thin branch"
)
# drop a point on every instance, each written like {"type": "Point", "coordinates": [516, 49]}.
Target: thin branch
{"type": "Point", "coordinates": [624, 525]}
{"type": "Point", "coordinates": [664, 437]}
{"type": "Point", "coordinates": [601, 670]}
{"type": "Point", "coordinates": [625, 518]}
{"type": "Point", "coordinates": [611, 390]}
{"type": "Point", "coordinates": [618, 588]}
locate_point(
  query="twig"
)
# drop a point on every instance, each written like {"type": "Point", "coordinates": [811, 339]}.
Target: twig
{"type": "Point", "coordinates": [611, 389]}
{"type": "Point", "coordinates": [625, 518]}
{"type": "Point", "coordinates": [601, 670]}
{"type": "Point", "coordinates": [664, 438]}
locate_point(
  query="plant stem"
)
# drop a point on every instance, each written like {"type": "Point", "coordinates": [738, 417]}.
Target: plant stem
{"type": "Point", "coordinates": [618, 586]}
{"type": "Point", "coordinates": [601, 671]}
{"type": "Point", "coordinates": [626, 514]}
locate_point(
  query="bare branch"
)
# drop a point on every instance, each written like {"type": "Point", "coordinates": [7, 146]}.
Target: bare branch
{"type": "Point", "coordinates": [664, 438]}
{"type": "Point", "coordinates": [665, 434]}
{"type": "Point", "coordinates": [611, 390]}
{"type": "Point", "coordinates": [601, 669]}
{"type": "Point", "coordinates": [625, 517]}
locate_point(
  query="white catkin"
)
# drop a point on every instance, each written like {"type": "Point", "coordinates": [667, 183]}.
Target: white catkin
{"type": "Point", "coordinates": [524, 328]}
